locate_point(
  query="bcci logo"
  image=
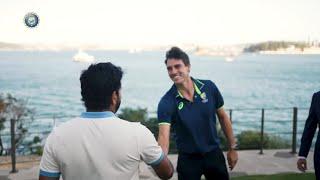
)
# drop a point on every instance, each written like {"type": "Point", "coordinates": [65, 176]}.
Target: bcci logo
{"type": "Point", "coordinates": [31, 20]}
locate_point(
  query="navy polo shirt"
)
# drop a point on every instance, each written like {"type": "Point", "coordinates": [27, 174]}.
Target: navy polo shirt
{"type": "Point", "coordinates": [193, 123]}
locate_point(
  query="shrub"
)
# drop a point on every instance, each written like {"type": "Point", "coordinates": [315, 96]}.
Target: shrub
{"type": "Point", "coordinates": [134, 115]}
{"type": "Point", "coordinates": [141, 115]}
{"type": "Point", "coordinates": [35, 146]}
{"type": "Point", "coordinates": [251, 140]}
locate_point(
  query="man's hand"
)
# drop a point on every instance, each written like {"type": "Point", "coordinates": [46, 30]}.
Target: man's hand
{"type": "Point", "coordinates": [232, 157]}
{"type": "Point", "coordinates": [302, 165]}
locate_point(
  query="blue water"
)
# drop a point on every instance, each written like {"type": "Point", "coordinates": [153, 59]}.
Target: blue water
{"type": "Point", "coordinates": [50, 83]}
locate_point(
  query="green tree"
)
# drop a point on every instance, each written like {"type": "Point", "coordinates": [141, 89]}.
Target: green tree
{"type": "Point", "coordinates": [274, 45]}
{"type": "Point", "coordinates": [13, 109]}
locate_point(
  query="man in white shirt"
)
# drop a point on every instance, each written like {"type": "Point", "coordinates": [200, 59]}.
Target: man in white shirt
{"type": "Point", "coordinates": [99, 145]}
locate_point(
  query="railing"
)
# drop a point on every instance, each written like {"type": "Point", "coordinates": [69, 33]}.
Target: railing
{"type": "Point", "coordinates": [287, 125]}
{"type": "Point", "coordinates": [243, 119]}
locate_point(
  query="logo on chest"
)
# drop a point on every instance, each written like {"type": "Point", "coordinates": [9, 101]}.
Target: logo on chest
{"type": "Point", "coordinates": [203, 97]}
{"type": "Point", "coordinates": [180, 106]}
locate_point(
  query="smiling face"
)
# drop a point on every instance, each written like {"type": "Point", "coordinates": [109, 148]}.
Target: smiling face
{"type": "Point", "coordinates": [177, 70]}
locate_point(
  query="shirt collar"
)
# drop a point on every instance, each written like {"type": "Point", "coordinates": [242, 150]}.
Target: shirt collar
{"type": "Point", "coordinates": [198, 85]}
{"type": "Point", "coordinates": [103, 114]}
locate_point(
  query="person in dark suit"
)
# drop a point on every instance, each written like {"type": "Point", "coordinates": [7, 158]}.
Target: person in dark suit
{"type": "Point", "coordinates": [311, 125]}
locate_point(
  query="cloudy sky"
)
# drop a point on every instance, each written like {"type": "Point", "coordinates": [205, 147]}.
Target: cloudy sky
{"type": "Point", "coordinates": [160, 22]}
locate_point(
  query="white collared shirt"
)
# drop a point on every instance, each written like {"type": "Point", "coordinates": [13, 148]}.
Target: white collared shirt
{"type": "Point", "coordinates": [99, 148]}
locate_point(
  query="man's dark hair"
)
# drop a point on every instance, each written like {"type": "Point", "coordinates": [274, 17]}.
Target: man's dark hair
{"type": "Point", "coordinates": [177, 53]}
{"type": "Point", "coordinates": [98, 83]}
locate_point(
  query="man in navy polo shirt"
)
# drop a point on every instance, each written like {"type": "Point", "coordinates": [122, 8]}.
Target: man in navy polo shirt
{"type": "Point", "coordinates": [190, 107]}
{"type": "Point", "coordinates": [99, 145]}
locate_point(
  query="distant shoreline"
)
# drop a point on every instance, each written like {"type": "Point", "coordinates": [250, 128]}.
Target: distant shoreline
{"type": "Point", "coordinates": [295, 51]}
{"type": "Point", "coordinates": [218, 52]}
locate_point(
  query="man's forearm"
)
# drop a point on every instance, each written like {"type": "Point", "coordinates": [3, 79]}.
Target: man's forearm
{"type": "Point", "coordinates": [164, 138]}
{"type": "Point", "coordinates": [164, 144]}
{"type": "Point", "coordinates": [165, 169]}
{"type": "Point", "coordinates": [227, 130]}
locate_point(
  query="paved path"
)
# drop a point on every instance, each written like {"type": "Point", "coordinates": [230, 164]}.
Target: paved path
{"type": "Point", "coordinates": [250, 163]}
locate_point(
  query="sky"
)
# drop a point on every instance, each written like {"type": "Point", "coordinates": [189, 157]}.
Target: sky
{"type": "Point", "coordinates": [160, 22]}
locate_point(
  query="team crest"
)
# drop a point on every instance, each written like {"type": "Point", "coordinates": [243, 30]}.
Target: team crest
{"type": "Point", "coordinates": [204, 97]}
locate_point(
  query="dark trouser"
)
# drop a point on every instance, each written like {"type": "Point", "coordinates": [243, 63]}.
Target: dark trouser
{"type": "Point", "coordinates": [212, 165]}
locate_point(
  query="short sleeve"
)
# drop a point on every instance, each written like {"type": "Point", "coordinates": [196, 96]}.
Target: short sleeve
{"type": "Point", "coordinates": [49, 166]}
{"type": "Point", "coordinates": [165, 111]}
{"type": "Point", "coordinates": [150, 152]}
{"type": "Point", "coordinates": [217, 96]}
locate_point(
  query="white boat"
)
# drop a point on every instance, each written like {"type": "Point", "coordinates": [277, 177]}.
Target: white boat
{"type": "Point", "coordinates": [229, 58]}
{"type": "Point", "coordinates": [82, 56]}
{"type": "Point", "coordinates": [135, 50]}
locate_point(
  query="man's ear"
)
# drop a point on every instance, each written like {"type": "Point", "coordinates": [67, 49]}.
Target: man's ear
{"type": "Point", "coordinates": [114, 98]}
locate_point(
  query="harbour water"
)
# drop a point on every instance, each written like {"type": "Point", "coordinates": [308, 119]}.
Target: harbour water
{"type": "Point", "coordinates": [50, 83]}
